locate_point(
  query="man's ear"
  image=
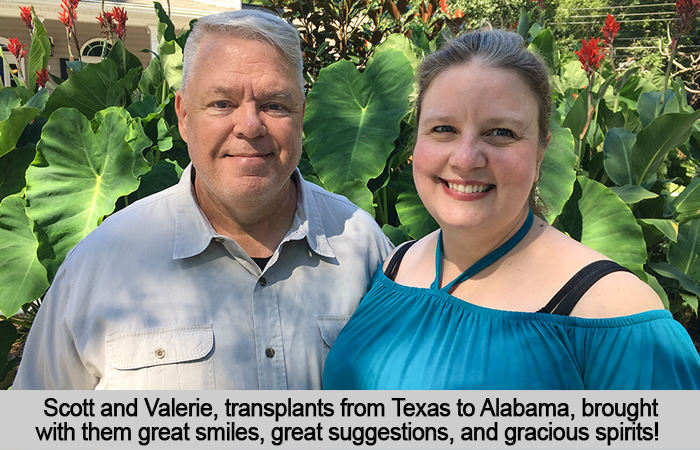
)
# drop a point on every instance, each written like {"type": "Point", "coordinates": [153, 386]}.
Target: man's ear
{"type": "Point", "coordinates": [181, 112]}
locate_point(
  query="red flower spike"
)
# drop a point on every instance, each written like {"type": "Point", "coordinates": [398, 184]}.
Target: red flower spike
{"type": "Point", "coordinates": [443, 6]}
{"type": "Point", "coordinates": [685, 12]}
{"type": "Point", "coordinates": [16, 49]}
{"type": "Point", "coordinates": [68, 15]}
{"type": "Point", "coordinates": [610, 29]}
{"type": "Point", "coordinates": [119, 15]}
{"type": "Point", "coordinates": [458, 13]}
{"type": "Point", "coordinates": [26, 16]}
{"type": "Point", "coordinates": [42, 77]}
{"type": "Point", "coordinates": [590, 55]}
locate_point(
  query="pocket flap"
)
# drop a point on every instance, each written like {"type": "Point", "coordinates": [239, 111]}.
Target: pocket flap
{"type": "Point", "coordinates": [143, 348]}
{"type": "Point", "coordinates": [331, 326]}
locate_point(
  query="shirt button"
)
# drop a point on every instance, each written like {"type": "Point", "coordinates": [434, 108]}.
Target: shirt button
{"type": "Point", "coordinates": [160, 353]}
{"type": "Point", "coordinates": [263, 282]}
{"type": "Point", "coordinates": [270, 352]}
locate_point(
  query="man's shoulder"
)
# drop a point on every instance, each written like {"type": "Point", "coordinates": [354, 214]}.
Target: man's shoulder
{"type": "Point", "coordinates": [141, 221]}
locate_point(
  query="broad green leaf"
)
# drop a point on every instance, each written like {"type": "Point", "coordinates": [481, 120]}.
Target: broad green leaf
{"type": "Point", "coordinates": [631, 194]}
{"type": "Point", "coordinates": [12, 127]}
{"type": "Point", "coordinates": [413, 216]}
{"type": "Point", "coordinates": [124, 60]}
{"type": "Point", "coordinates": [544, 45]}
{"type": "Point", "coordinates": [12, 169]}
{"type": "Point", "coordinates": [524, 25]}
{"type": "Point", "coordinates": [39, 52]}
{"type": "Point", "coordinates": [608, 226]}
{"type": "Point", "coordinates": [94, 88]}
{"type": "Point", "coordinates": [75, 66]}
{"type": "Point", "coordinates": [39, 100]}
{"type": "Point", "coordinates": [669, 271]}
{"type": "Point", "coordinates": [356, 191]}
{"type": "Point", "coordinates": [557, 172]}
{"type": "Point", "coordinates": [687, 205]}
{"type": "Point", "coordinates": [654, 142]}
{"type": "Point", "coordinates": [166, 29]}
{"type": "Point", "coordinates": [685, 254]}
{"type": "Point", "coordinates": [572, 77]}
{"type": "Point", "coordinates": [668, 228]}
{"type": "Point", "coordinates": [576, 118]}
{"type": "Point", "coordinates": [690, 300]}
{"type": "Point", "coordinates": [135, 138]}
{"type": "Point", "coordinates": [656, 286]}
{"type": "Point", "coordinates": [419, 39]}
{"type": "Point", "coordinates": [617, 151]}
{"type": "Point", "coordinates": [395, 235]}
{"type": "Point", "coordinates": [352, 119]}
{"type": "Point", "coordinates": [171, 60]}
{"type": "Point", "coordinates": [77, 178]}
{"type": "Point", "coordinates": [623, 81]}
{"type": "Point", "coordinates": [165, 140]}
{"type": "Point", "coordinates": [399, 42]}
{"type": "Point", "coordinates": [649, 101]}
{"type": "Point", "coordinates": [23, 278]}
{"type": "Point", "coordinates": [152, 77]}
{"type": "Point", "coordinates": [9, 100]}
{"type": "Point", "coordinates": [144, 108]}
{"type": "Point", "coordinates": [162, 176]}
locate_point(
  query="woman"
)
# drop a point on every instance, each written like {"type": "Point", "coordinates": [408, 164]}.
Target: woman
{"type": "Point", "coordinates": [464, 308]}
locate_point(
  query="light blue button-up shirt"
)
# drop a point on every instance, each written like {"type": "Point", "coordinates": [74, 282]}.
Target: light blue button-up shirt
{"type": "Point", "coordinates": [155, 298]}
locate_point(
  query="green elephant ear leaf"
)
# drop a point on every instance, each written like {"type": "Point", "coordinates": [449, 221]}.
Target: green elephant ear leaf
{"type": "Point", "coordinates": [663, 134]}
{"type": "Point", "coordinates": [23, 278]}
{"type": "Point", "coordinates": [687, 205]}
{"type": "Point", "coordinates": [685, 254]}
{"type": "Point", "coordinates": [352, 118]}
{"type": "Point", "coordinates": [12, 127]}
{"type": "Point", "coordinates": [124, 60]}
{"type": "Point", "coordinates": [558, 174]}
{"type": "Point", "coordinates": [607, 225]}
{"type": "Point", "coordinates": [617, 151]}
{"type": "Point", "coordinates": [39, 52]}
{"type": "Point", "coordinates": [77, 178]}
{"type": "Point", "coordinates": [415, 219]}
{"type": "Point", "coordinates": [93, 89]}
{"type": "Point", "coordinates": [13, 166]}
{"type": "Point", "coordinates": [171, 59]}
{"type": "Point", "coordinates": [632, 193]}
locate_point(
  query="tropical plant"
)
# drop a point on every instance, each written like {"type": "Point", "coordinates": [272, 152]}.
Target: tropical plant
{"type": "Point", "coordinates": [619, 174]}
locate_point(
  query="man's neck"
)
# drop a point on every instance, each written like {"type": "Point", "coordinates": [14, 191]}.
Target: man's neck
{"type": "Point", "coordinates": [257, 228]}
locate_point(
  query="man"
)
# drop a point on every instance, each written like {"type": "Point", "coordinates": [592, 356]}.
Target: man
{"type": "Point", "coordinates": [239, 277]}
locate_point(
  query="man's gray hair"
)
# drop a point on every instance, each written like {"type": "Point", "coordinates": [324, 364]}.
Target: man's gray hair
{"type": "Point", "coordinates": [255, 25]}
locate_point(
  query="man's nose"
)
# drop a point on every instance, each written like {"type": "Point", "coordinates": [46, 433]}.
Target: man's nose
{"type": "Point", "coordinates": [468, 153]}
{"type": "Point", "coordinates": [248, 121]}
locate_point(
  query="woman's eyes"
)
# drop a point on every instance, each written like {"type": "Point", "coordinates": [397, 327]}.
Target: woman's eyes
{"type": "Point", "coordinates": [501, 132]}
{"type": "Point", "coordinates": [443, 129]}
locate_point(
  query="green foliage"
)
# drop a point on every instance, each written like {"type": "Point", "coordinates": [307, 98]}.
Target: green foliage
{"type": "Point", "coordinates": [619, 174]}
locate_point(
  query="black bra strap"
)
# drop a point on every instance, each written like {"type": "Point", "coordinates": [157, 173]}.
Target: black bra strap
{"type": "Point", "coordinates": [567, 297]}
{"type": "Point", "coordinates": [393, 267]}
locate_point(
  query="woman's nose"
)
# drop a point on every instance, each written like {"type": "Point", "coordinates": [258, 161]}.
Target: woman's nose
{"type": "Point", "coordinates": [468, 154]}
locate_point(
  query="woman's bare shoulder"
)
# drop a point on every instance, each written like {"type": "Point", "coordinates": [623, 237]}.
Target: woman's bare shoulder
{"type": "Point", "coordinates": [616, 294]}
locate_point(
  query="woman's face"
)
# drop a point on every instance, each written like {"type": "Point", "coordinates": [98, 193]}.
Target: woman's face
{"type": "Point", "coordinates": [477, 152]}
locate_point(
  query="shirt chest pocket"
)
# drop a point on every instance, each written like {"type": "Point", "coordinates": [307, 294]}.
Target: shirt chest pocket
{"type": "Point", "coordinates": [177, 357]}
{"type": "Point", "coordinates": [330, 327]}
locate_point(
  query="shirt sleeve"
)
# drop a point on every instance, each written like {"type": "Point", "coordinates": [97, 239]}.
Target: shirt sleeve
{"type": "Point", "coordinates": [657, 354]}
{"type": "Point", "coordinates": [50, 359]}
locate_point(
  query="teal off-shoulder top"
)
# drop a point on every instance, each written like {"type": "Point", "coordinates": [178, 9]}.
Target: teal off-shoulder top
{"type": "Point", "coordinates": [405, 337]}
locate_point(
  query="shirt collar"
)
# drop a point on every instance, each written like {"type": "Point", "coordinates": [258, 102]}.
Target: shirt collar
{"type": "Point", "coordinates": [194, 232]}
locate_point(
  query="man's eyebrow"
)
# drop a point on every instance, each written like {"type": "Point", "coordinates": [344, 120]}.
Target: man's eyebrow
{"type": "Point", "coordinates": [224, 90]}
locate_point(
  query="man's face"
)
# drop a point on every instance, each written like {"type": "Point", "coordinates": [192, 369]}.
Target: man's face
{"type": "Point", "coordinates": [241, 116]}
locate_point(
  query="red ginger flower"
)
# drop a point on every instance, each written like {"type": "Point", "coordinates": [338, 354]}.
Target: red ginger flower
{"type": "Point", "coordinates": [610, 29]}
{"type": "Point", "coordinates": [685, 12]}
{"type": "Point", "coordinates": [26, 16]}
{"type": "Point", "coordinates": [42, 77]}
{"type": "Point", "coordinates": [68, 16]}
{"type": "Point", "coordinates": [119, 15]}
{"type": "Point", "coordinates": [16, 49]}
{"type": "Point", "coordinates": [590, 55]}
{"type": "Point", "coordinates": [443, 6]}
{"type": "Point", "coordinates": [458, 13]}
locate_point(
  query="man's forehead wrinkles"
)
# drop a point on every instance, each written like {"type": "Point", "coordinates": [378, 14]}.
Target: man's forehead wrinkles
{"type": "Point", "coordinates": [258, 93]}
